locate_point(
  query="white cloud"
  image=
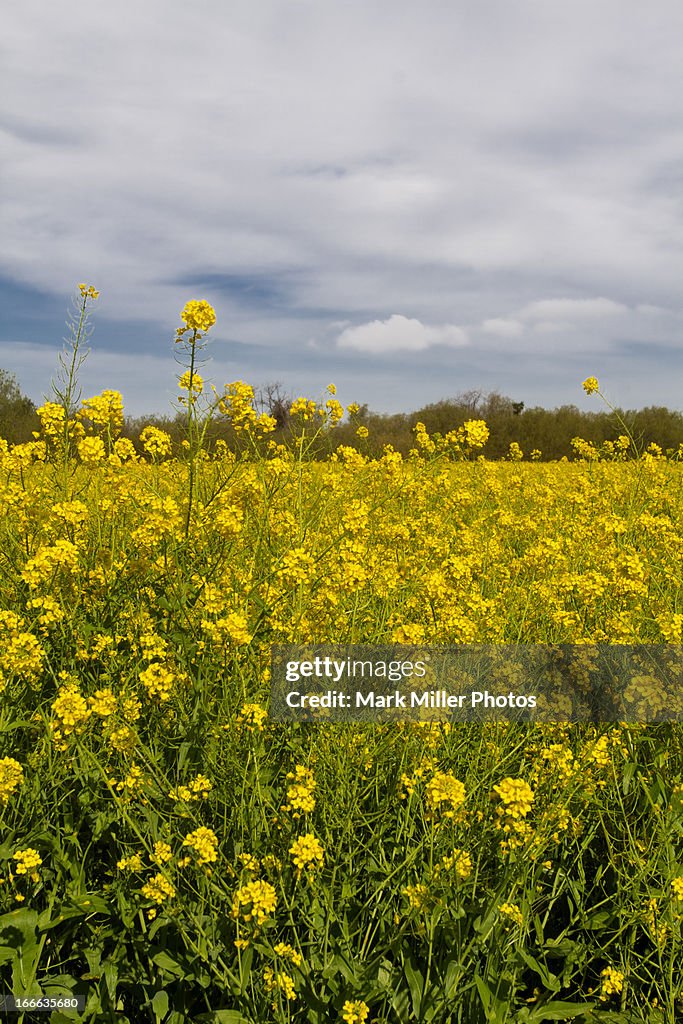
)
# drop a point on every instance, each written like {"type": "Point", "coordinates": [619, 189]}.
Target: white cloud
{"type": "Point", "coordinates": [400, 334]}
{"type": "Point", "coordinates": [571, 309]}
{"type": "Point", "coordinates": [504, 327]}
{"type": "Point", "coordinates": [551, 326]}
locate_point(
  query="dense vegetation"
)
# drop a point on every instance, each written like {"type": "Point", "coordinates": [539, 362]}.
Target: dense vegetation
{"type": "Point", "coordinates": [170, 854]}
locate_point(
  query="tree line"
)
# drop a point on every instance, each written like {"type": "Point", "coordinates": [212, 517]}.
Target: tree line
{"type": "Point", "coordinates": [535, 430]}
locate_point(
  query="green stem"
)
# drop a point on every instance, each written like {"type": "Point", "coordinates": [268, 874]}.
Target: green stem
{"type": "Point", "coordinates": [191, 435]}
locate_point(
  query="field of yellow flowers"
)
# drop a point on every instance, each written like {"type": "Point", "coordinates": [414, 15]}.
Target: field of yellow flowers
{"type": "Point", "coordinates": [168, 854]}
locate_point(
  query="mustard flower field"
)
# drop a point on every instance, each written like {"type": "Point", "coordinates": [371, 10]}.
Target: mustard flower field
{"type": "Point", "coordinates": [169, 854]}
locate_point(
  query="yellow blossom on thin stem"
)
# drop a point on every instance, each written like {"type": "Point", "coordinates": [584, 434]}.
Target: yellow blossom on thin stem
{"type": "Point", "coordinates": [204, 842]}
{"type": "Point", "coordinates": [132, 863]}
{"type": "Point", "coordinates": [612, 983]}
{"type": "Point", "coordinates": [162, 853]}
{"type": "Point", "coordinates": [197, 315]}
{"type": "Point", "coordinates": [512, 912]}
{"type": "Point", "coordinates": [27, 862]}
{"type": "Point", "coordinates": [254, 902]}
{"type": "Point", "coordinates": [191, 382]}
{"type": "Point", "coordinates": [307, 852]}
{"type": "Point", "coordinates": [158, 889]}
{"type": "Point", "coordinates": [516, 797]}
{"type": "Point", "coordinates": [355, 1011]}
{"type": "Point", "coordinates": [287, 952]}
{"type": "Point", "coordinates": [11, 777]}
{"type": "Point", "coordinates": [445, 794]}
{"type": "Point", "coordinates": [300, 799]}
{"type": "Point", "coordinates": [279, 981]}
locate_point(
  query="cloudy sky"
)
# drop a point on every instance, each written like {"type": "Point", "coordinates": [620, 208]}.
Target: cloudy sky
{"type": "Point", "coordinates": [410, 200]}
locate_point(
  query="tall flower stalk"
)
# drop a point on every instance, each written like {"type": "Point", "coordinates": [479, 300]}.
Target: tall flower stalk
{"type": "Point", "coordinates": [65, 386]}
{"type": "Point", "coordinates": [198, 316]}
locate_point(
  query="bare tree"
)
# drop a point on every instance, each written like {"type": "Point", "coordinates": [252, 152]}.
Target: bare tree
{"type": "Point", "coordinates": [274, 400]}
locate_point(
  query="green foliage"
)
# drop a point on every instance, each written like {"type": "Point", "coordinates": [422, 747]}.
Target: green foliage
{"type": "Point", "coordinates": [18, 417]}
{"type": "Point", "coordinates": [549, 431]}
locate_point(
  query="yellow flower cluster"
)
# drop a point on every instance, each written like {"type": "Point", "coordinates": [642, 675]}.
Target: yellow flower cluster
{"type": "Point", "coordinates": [91, 451]}
{"type": "Point", "coordinates": [191, 382]}
{"type": "Point", "coordinates": [417, 896]}
{"type": "Point", "coordinates": [49, 561]}
{"type": "Point", "coordinates": [457, 444]}
{"type": "Point", "coordinates": [71, 713]}
{"type": "Point", "coordinates": [49, 614]}
{"type": "Point", "coordinates": [204, 842]}
{"type": "Point", "coordinates": [251, 717]}
{"type": "Point", "coordinates": [287, 952]}
{"type": "Point", "coordinates": [157, 680]}
{"type": "Point", "coordinates": [300, 799]}
{"type": "Point", "coordinates": [297, 566]}
{"type": "Point", "coordinates": [355, 1011]}
{"type": "Point", "coordinates": [103, 703]}
{"type": "Point", "coordinates": [52, 419]}
{"type": "Point", "coordinates": [103, 412]}
{"type": "Point", "coordinates": [88, 292]}
{"type": "Point", "coordinates": [254, 902]}
{"type": "Point", "coordinates": [133, 783]}
{"type": "Point", "coordinates": [612, 982]}
{"type": "Point", "coordinates": [197, 315]}
{"type": "Point", "coordinates": [131, 863]}
{"type": "Point", "coordinates": [28, 861]}
{"type": "Point", "coordinates": [335, 411]}
{"type": "Point", "coordinates": [156, 443]}
{"type": "Point", "coordinates": [124, 450]}
{"type": "Point", "coordinates": [123, 739]}
{"type": "Point", "coordinates": [512, 912]}
{"type": "Point", "coordinates": [196, 789]}
{"type": "Point", "coordinates": [72, 513]}
{"type": "Point", "coordinates": [158, 889]}
{"type": "Point", "coordinates": [516, 797]}
{"type": "Point", "coordinates": [237, 404]}
{"type": "Point", "coordinates": [459, 863]}
{"type": "Point", "coordinates": [475, 433]}
{"type": "Point", "coordinates": [162, 853]}
{"type": "Point", "coordinates": [21, 654]}
{"type": "Point", "coordinates": [445, 794]}
{"type": "Point", "coordinates": [279, 981]}
{"type": "Point", "coordinates": [307, 852]}
{"type": "Point", "coordinates": [233, 627]}
{"type": "Point", "coordinates": [306, 408]}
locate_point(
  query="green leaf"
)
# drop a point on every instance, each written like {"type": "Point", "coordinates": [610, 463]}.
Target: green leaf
{"type": "Point", "coordinates": [451, 979]}
{"type": "Point", "coordinates": [160, 1004]}
{"type": "Point", "coordinates": [497, 1010]}
{"type": "Point", "coordinates": [18, 935]}
{"type": "Point", "coordinates": [400, 1002]}
{"type": "Point", "coordinates": [168, 964]}
{"type": "Point", "coordinates": [484, 993]}
{"type": "Point", "coordinates": [221, 1017]}
{"type": "Point", "coordinates": [558, 1010]}
{"type": "Point", "coordinates": [549, 980]}
{"type": "Point", "coordinates": [245, 967]}
{"type": "Point", "coordinates": [629, 771]}
{"type": "Point", "coordinates": [415, 983]}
